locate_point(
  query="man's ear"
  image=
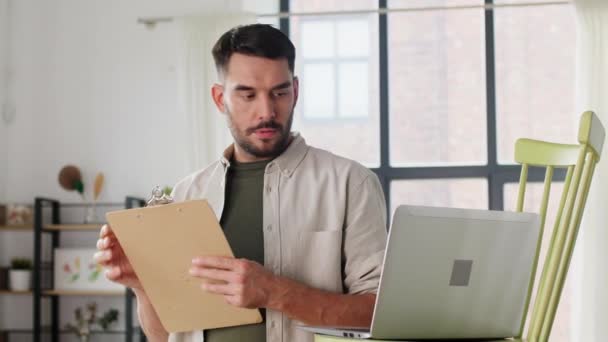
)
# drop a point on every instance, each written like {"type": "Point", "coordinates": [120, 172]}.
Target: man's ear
{"type": "Point", "coordinates": [217, 93]}
{"type": "Point", "coordinates": [296, 90]}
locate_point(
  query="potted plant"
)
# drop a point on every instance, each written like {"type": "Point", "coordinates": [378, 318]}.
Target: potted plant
{"type": "Point", "coordinates": [20, 274]}
{"type": "Point", "coordinates": [87, 318]}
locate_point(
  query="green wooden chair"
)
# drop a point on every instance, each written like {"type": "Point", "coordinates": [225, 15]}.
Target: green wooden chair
{"type": "Point", "coordinates": [580, 161]}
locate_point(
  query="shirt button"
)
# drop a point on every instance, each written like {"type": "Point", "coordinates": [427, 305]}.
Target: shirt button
{"type": "Point", "coordinates": [272, 324]}
{"type": "Point", "coordinates": [268, 189]}
{"type": "Point", "coordinates": [269, 228]}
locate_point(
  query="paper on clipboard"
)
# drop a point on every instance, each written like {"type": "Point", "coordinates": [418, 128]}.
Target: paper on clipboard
{"type": "Point", "coordinates": [160, 242]}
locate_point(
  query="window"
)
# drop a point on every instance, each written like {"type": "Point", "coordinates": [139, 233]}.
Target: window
{"type": "Point", "coordinates": [335, 68]}
{"type": "Point", "coordinates": [448, 93]}
{"type": "Point", "coordinates": [436, 82]}
{"type": "Point", "coordinates": [337, 63]}
{"type": "Point", "coordinates": [534, 75]}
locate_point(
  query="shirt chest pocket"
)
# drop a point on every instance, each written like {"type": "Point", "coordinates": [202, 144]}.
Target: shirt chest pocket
{"type": "Point", "coordinates": [319, 259]}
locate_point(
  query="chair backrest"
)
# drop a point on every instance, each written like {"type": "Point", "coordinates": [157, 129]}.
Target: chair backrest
{"type": "Point", "coordinates": [580, 161]}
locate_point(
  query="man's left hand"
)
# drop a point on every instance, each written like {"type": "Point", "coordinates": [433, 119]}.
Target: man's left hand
{"type": "Point", "coordinates": [243, 283]}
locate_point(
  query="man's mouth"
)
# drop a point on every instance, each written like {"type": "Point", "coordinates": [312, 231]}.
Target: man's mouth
{"type": "Point", "coordinates": [266, 133]}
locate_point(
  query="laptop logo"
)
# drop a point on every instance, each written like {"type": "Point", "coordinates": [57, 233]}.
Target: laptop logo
{"type": "Point", "coordinates": [461, 273]}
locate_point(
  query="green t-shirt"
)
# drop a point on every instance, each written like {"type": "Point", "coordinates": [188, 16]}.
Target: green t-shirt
{"type": "Point", "coordinates": [242, 224]}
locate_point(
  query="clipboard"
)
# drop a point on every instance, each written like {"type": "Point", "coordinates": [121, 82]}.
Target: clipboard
{"type": "Point", "coordinates": [160, 242]}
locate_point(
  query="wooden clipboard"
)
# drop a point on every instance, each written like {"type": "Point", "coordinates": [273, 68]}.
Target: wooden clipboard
{"type": "Point", "coordinates": [160, 242]}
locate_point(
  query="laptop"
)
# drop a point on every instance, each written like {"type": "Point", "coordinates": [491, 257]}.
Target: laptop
{"type": "Point", "coordinates": [452, 274]}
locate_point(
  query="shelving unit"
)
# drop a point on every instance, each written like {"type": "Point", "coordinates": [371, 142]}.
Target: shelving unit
{"type": "Point", "coordinates": [55, 228]}
{"type": "Point", "coordinates": [17, 228]}
{"type": "Point", "coordinates": [9, 292]}
{"type": "Point", "coordinates": [82, 293]}
{"type": "Point", "coordinates": [27, 229]}
{"type": "Point", "coordinates": [72, 227]}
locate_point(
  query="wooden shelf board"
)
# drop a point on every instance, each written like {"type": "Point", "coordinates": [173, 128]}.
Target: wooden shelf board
{"type": "Point", "coordinates": [17, 228]}
{"type": "Point", "coordinates": [9, 292]}
{"type": "Point", "coordinates": [82, 293]}
{"type": "Point", "coordinates": [47, 330]}
{"type": "Point", "coordinates": [83, 227]}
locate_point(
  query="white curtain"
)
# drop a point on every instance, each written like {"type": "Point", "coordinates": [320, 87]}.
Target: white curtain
{"type": "Point", "coordinates": [590, 315]}
{"type": "Point", "coordinates": [207, 133]}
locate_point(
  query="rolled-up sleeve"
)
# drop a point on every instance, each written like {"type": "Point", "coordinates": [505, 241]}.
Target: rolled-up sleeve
{"type": "Point", "coordinates": [364, 237]}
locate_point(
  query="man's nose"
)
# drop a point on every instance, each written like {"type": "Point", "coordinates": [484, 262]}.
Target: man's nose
{"type": "Point", "coordinates": [266, 108]}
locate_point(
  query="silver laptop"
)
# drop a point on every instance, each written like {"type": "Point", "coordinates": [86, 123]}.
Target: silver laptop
{"type": "Point", "coordinates": [452, 274]}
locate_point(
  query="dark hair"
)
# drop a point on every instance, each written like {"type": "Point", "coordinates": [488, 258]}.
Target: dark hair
{"type": "Point", "coordinates": [259, 40]}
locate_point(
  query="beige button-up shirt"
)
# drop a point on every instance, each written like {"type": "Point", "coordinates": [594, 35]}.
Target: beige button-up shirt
{"type": "Point", "coordinates": [324, 224]}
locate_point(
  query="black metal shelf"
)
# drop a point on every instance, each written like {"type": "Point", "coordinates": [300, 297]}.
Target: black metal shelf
{"type": "Point", "coordinates": [55, 228]}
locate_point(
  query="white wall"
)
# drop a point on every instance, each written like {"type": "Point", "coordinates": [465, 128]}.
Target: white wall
{"type": "Point", "coordinates": [3, 70]}
{"type": "Point", "coordinates": [94, 89]}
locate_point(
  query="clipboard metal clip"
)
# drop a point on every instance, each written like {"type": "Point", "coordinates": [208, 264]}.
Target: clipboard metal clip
{"type": "Point", "coordinates": [158, 197]}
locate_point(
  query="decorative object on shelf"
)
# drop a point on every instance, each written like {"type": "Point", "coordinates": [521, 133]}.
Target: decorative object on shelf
{"type": "Point", "coordinates": [86, 319]}
{"type": "Point", "coordinates": [75, 269]}
{"type": "Point", "coordinates": [19, 215]}
{"type": "Point", "coordinates": [70, 179]}
{"type": "Point", "coordinates": [159, 196]}
{"type": "Point", "coordinates": [2, 214]}
{"type": "Point", "coordinates": [91, 216]}
{"type": "Point", "coordinates": [20, 274]}
{"type": "Point", "coordinates": [3, 278]}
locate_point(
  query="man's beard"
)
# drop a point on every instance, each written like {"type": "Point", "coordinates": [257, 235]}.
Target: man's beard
{"type": "Point", "coordinates": [242, 140]}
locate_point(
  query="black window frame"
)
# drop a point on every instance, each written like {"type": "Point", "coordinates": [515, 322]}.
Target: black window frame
{"type": "Point", "coordinates": [496, 174]}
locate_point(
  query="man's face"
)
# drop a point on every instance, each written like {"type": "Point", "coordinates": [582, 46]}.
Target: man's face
{"type": "Point", "coordinates": [258, 96]}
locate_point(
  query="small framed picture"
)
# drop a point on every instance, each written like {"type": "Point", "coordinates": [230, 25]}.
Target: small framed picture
{"type": "Point", "coordinates": [75, 269]}
{"type": "Point", "coordinates": [19, 215]}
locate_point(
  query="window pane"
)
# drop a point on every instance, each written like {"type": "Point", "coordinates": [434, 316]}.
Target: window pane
{"type": "Point", "coordinates": [437, 87]}
{"type": "Point", "coordinates": [562, 325]}
{"type": "Point", "coordinates": [351, 127]}
{"type": "Point", "coordinates": [331, 5]}
{"type": "Point", "coordinates": [498, 2]}
{"type": "Point", "coordinates": [432, 3]}
{"type": "Point", "coordinates": [318, 90]}
{"type": "Point", "coordinates": [353, 90]}
{"type": "Point", "coordinates": [535, 62]}
{"type": "Point", "coordinates": [317, 39]}
{"type": "Point", "coordinates": [455, 193]}
{"type": "Point", "coordinates": [353, 38]}
{"type": "Point", "coordinates": [263, 7]}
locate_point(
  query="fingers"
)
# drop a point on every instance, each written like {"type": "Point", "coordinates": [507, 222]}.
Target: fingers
{"type": "Point", "coordinates": [106, 230]}
{"type": "Point", "coordinates": [223, 289]}
{"type": "Point", "coordinates": [224, 263]}
{"type": "Point", "coordinates": [114, 273]}
{"type": "Point", "coordinates": [106, 243]}
{"type": "Point", "coordinates": [217, 274]}
{"type": "Point", "coordinates": [104, 257]}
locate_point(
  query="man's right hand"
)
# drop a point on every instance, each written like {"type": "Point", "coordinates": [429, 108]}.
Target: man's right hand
{"type": "Point", "coordinates": [111, 255]}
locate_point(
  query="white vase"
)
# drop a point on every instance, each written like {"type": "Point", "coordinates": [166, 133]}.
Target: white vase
{"type": "Point", "coordinates": [20, 280]}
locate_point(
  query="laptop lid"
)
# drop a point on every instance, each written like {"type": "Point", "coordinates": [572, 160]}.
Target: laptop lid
{"type": "Point", "coordinates": [455, 273]}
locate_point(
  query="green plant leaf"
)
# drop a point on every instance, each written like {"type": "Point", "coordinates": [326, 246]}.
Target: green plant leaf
{"type": "Point", "coordinates": [75, 277]}
{"type": "Point", "coordinates": [79, 186]}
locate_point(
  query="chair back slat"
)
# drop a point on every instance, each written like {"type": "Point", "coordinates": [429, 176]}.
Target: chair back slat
{"type": "Point", "coordinates": [580, 161]}
{"type": "Point", "coordinates": [568, 249]}
{"type": "Point", "coordinates": [523, 179]}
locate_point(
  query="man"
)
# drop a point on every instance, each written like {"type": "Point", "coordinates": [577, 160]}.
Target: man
{"type": "Point", "coordinates": [315, 221]}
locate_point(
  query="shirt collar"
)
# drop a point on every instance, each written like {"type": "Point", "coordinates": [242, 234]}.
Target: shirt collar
{"type": "Point", "coordinates": [287, 162]}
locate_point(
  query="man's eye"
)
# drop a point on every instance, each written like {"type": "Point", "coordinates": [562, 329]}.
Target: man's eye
{"type": "Point", "coordinates": [248, 96]}
{"type": "Point", "coordinates": [280, 94]}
